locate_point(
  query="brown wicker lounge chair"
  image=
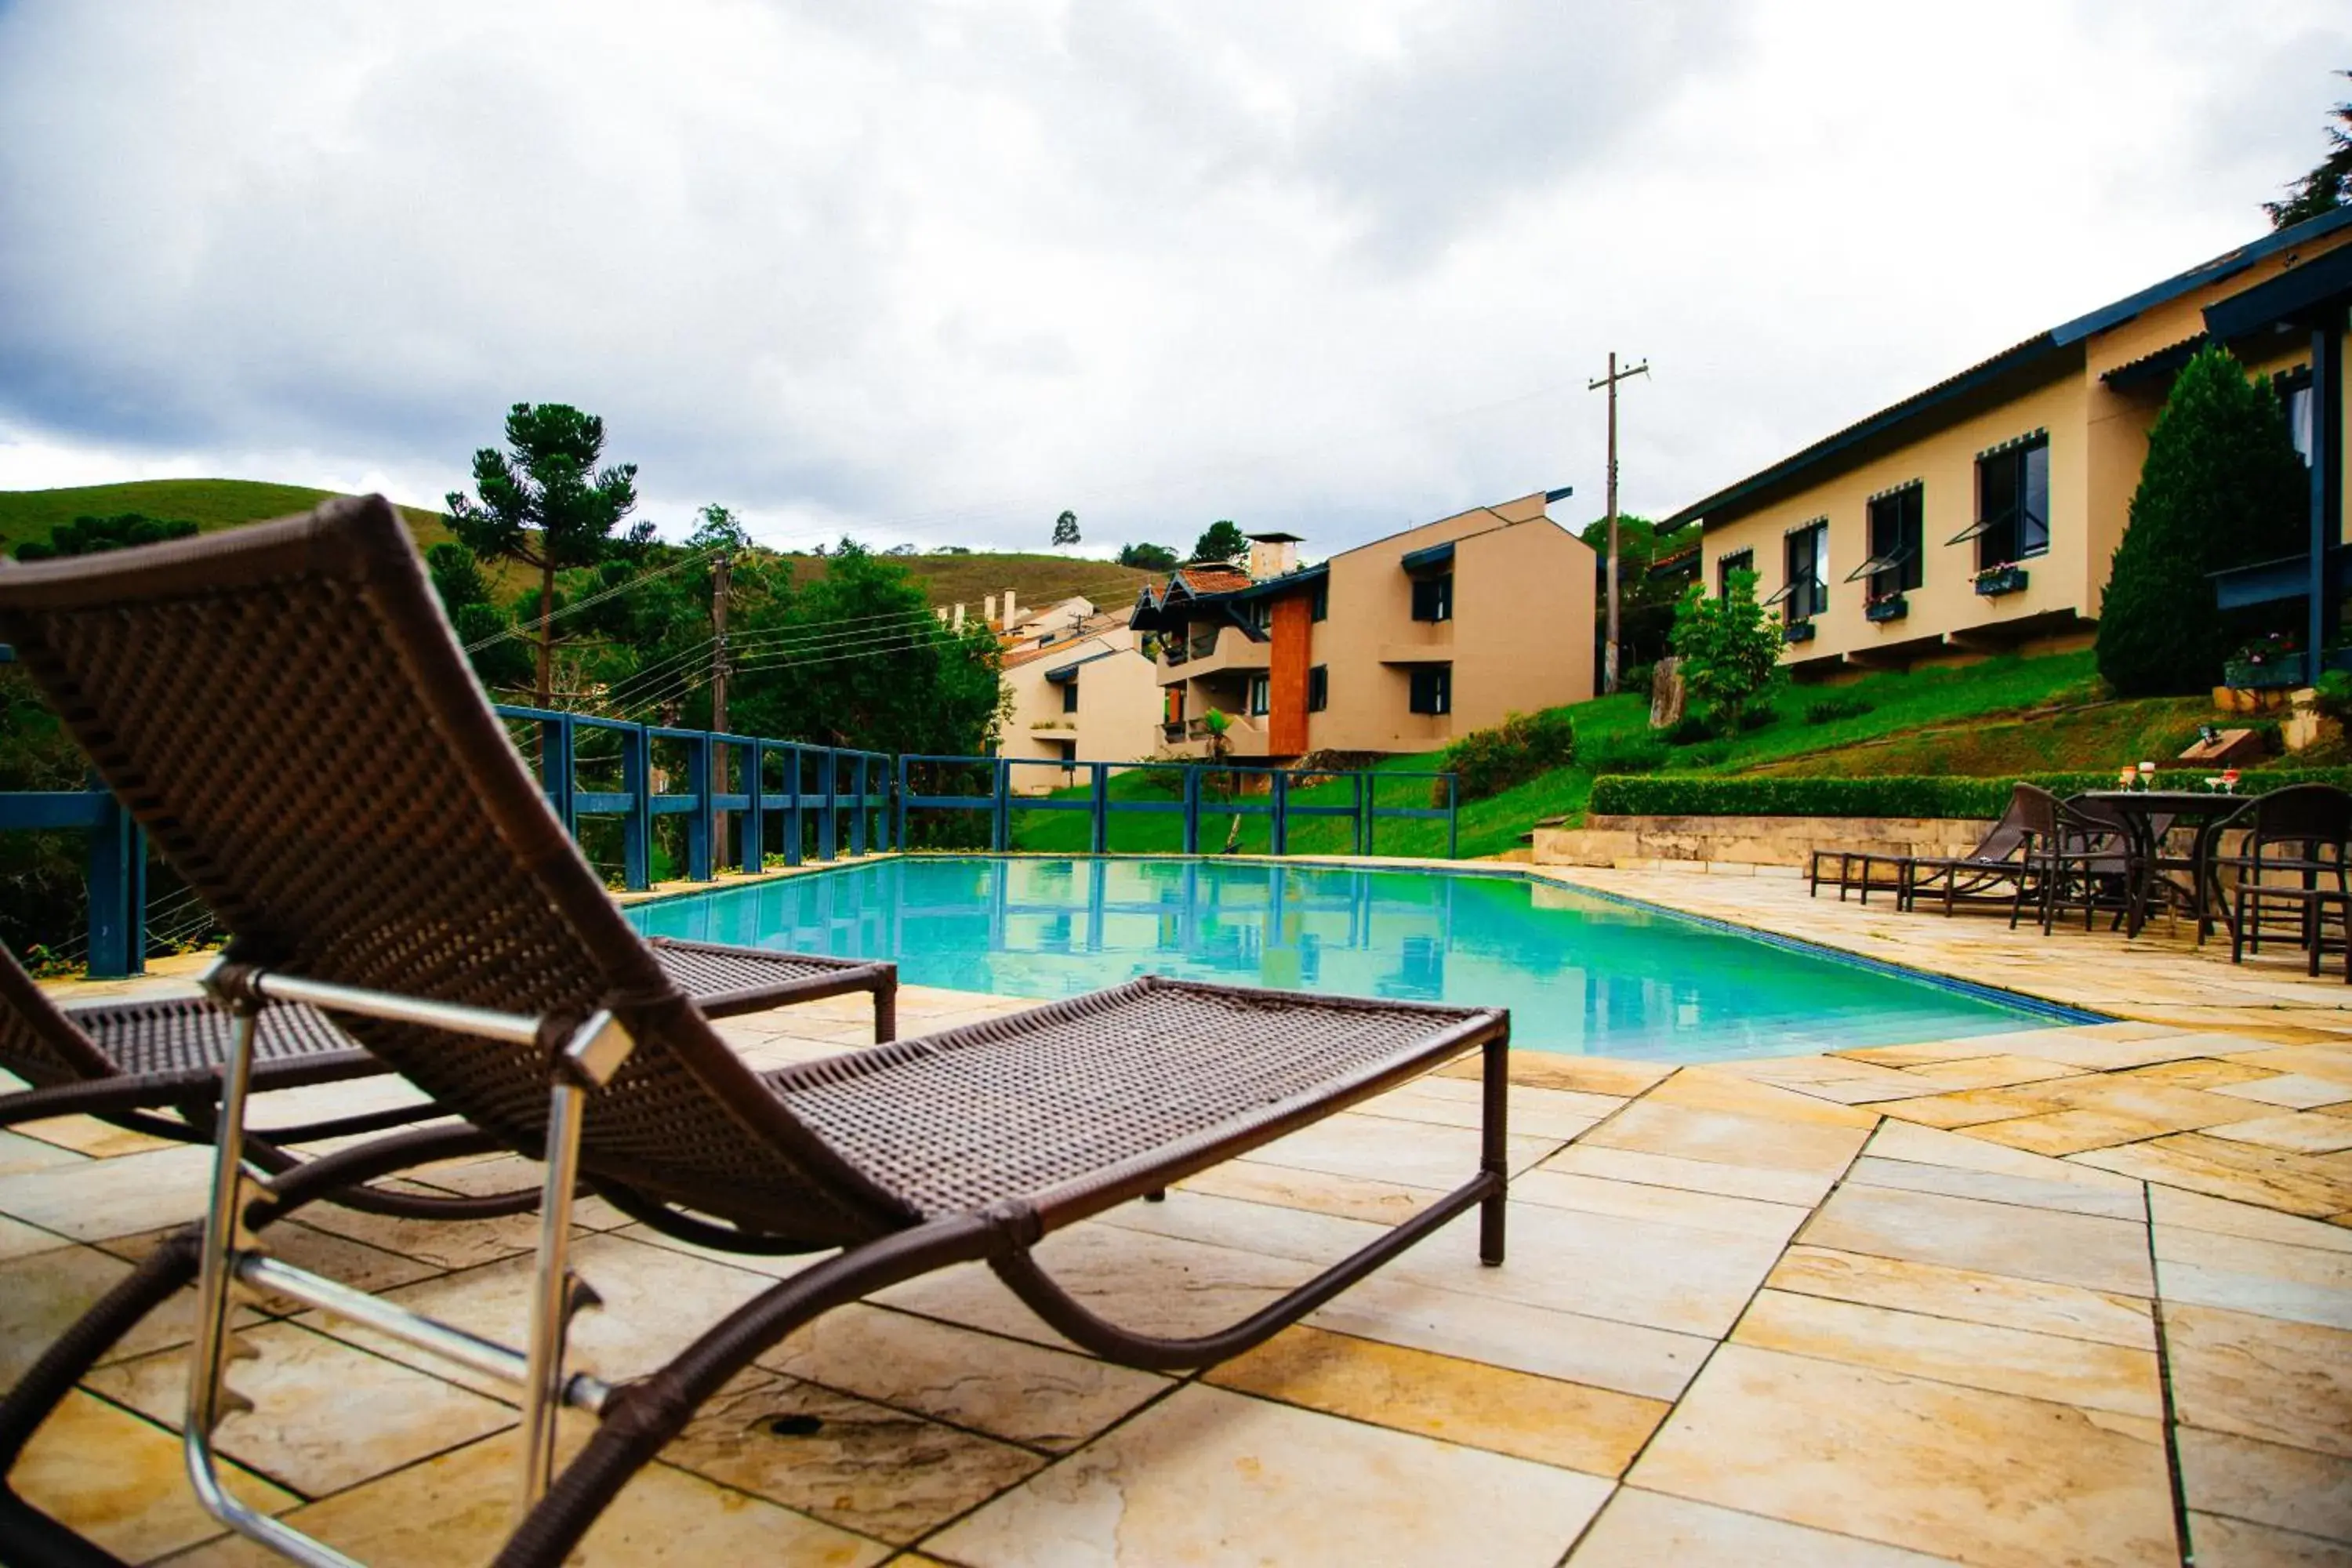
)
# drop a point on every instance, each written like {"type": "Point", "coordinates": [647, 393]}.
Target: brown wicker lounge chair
{"type": "Point", "coordinates": [154, 1065]}
{"type": "Point", "coordinates": [439, 910]}
{"type": "Point", "coordinates": [1979, 877]}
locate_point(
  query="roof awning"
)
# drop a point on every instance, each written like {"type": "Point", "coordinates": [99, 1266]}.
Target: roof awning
{"type": "Point", "coordinates": [2295, 298]}
{"type": "Point", "coordinates": [2161, 366]}
{"type": "Point", "coordinates": [1429, 559]}
{"type": "Point", "coordinates": [1063, 674]}
{"type": "Point", "coordinates": [1786, 589]}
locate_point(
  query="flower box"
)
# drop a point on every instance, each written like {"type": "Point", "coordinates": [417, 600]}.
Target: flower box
{"type": "Point", "coordinates": [1892, 609]}
{"type": "Point", "coordinates": [1995, 581]}
{"type": "Point", "coordinates": [1797, 631]}
{"type": "Point", "coordinates": [2281, 669]}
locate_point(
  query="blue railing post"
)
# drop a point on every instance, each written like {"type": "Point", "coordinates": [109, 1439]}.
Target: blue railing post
{"type": "Point", "coordinates": [1452, 820]}
{"type": "Point", "coordinates": [857, 818]}
{"type": "Point", "coordinates": [903, 787]}
{"type": "Point", "coordinates": [1278, 787]}
{"type": "Point", "coordinates": [1362, 781]}
{"type": "Point", "coordinates": [118, 892]}
{"type": "Point", "coordinates": [637, 829]}
{"type": "Point", "coordinates": [699, 820]}
{"type": "Point", "coordinates": [557, 772]}
{"type": "Point", "coordinates": [754, 830]}
{"type": "Point", "coordinates": [795, 820]}
{"type": "Point", "coordinates": [1098, 808]}
{"type": "Point", "coordinates": [828, 820]}
{"type": "Point", "coordinates": [1191, 811]}
{"type": "Point", "coordinates": [1000, 822]}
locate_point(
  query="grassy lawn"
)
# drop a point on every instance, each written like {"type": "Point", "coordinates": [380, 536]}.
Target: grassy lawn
{"type": "Point", "coordinates": [2004, 715]}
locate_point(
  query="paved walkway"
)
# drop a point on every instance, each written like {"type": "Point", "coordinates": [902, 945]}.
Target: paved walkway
{"type": "Point", "coordinates": [2047, 1298]}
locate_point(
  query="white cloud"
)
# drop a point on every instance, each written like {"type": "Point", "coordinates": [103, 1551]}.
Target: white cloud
{"type": "Point", "coordinates": [935, 273]}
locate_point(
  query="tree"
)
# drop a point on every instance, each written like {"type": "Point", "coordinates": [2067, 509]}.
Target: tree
{"type": "Point", "coordinates": [1151, 557]}
{"type": "Point", "coordinates": [89, 535]}
{"type": "Point", "coordinates": [1066, 530]}
{"type": "Point", "coordinates": [2328, 186]}
{"type": "Point", "coordinates": [545, 504]}
{"type": "Point", "coordinates": [857, 658]}
{"type": "Point", "coordinates": [500, 659]}
{"type": "Point", "coordinates": [2222, 487]}
{"type": "Point", "coordinates": [1729, 650]}
{"type": "Point", "coordinates": [1221, 541]}
{"type": "Point", "coordinates": [1645, 605]}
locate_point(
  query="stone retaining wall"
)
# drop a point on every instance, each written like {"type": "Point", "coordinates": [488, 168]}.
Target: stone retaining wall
{"type": "Point", "coordinates": [1727, 842]}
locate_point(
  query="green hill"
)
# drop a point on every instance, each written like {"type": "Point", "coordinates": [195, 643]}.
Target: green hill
{"type": "Point", "coordinates": [224, 503]}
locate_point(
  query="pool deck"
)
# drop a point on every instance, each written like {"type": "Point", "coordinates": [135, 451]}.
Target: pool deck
{"type": "Point", "coordinates": [2039, 1298]}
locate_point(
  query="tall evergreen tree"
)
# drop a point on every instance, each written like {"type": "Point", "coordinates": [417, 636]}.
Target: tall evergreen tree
{"type": "Point", "coordinates": [2222, 487]}
{"type": "Point", "coordinates": [545, 502]}
{"type": "Point", "coordinates": [2328, 186]}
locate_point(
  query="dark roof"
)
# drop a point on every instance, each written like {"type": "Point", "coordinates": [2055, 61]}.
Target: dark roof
{"type": "Point", "coordinates": [2038, 356]}
{"type": "Point", "coordinates": [2157, 367]}
{"type": "Point", "coordinates": [1064, 672]}
{"type": "Point", "coordinates": [1423, 559]}
{"type": "Point", "coordinates": [2324, 284]}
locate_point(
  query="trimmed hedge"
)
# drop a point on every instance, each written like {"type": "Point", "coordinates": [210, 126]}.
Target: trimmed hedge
{"type": "Point", "coordinates": [1670, 794]}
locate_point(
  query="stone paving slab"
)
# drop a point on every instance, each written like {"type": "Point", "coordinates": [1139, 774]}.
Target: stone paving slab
{"type": "Point", "coordinates": [1809, 1311]}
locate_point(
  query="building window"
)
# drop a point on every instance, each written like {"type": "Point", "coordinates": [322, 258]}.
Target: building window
{"type": "Point", "coordinates": [1896, 524]}
{"type": "Point", "coordinates": [1070, 694]}
{"type": "Point", "coordinates": [1320, 605]}
{"type": "Point", "coordinates": [1805, 590]}
{"type": "Point", "coordinates": [1724, 565]}
{"type": "Point", "coordinates": [2012, 503]}
{"type": "Point", "coordinates": [1318, 689]}
{"type": "Point", "coordinates": [2294, 392]}
{"type": "Point", "coordinates": [1432, 599]}
{"type": "Point", "coordinates": [1261, 692]}
{"type": "Point", "coordinates": [1433, 689]}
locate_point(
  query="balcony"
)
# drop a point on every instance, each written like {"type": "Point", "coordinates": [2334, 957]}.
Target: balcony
{"type": "Point", "coordinates": [1189, 738]}
{"type": "Point", "coordinates": [1214, 652]}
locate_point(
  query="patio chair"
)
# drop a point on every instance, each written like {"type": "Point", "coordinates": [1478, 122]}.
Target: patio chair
{"type": "Point", "coordinates": [154, 1065]}
{"type": "Point", "coordinates": [377, 848]}
{"type": "Point", "coordinates": [1856, 870]}
{"type": "Point", "coordinates": [1998, 861]}
{"type": "Point", "coordinates": [2303, 834]}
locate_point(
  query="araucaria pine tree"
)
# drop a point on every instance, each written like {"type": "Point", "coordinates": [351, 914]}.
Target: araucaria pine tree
{"type": "Point", "coordinates": [2222, 487]}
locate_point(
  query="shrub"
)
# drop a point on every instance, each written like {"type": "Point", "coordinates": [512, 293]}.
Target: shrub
{"type": "Point", "coordinates": [1488, 761]}
{"type": "Point", "coordinates": [1675, 795]}
{"type": "Point", "coordinates": [1629, 754]}
{"type": "Point", "coordinates": [1729, 650]}
{"type": "Point", "coordinates": [2333, 689]}
{"type": "Point", "coordinates": [1829, 709]}
{"type": "Point", "coordinates": [2222, 487]}
{"type": "Point", "coordinates": [1637, 677]}
{"type": "Point", "coordinates": [1757, 718]}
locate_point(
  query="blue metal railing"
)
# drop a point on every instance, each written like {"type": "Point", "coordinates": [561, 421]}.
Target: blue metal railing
{"type": "Point", "coordinates": [820, 801]}
{"type": "Point", "coordinates": [999, 798]}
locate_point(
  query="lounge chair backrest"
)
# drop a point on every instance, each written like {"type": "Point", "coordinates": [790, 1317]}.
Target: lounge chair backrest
{"type": "Point", "coordinates": [37, 1042]}
{"type": "Point", "coordinates": [2303, 815]}
{"type": "Point", "coordinates": [284, 708]}
{"type": "Point", "coordinates": [2007, 835]}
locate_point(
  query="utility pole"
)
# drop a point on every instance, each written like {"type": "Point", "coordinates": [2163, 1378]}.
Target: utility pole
{"type": "Point", "coordinates": [718, 696]}
{"type": "Point", "coordinates": [1610, 651]}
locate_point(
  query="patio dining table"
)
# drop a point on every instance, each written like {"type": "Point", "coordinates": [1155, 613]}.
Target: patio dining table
{"type": "Point", "coordinates": [2147, 815]}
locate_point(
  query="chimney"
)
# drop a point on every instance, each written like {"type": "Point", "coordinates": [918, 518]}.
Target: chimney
{"type": "Point", "coordinates": [1009, 616]}
{"type": "Point", "coordinates": [940, 613]}
{"type": "Point", "coordinates": [988, 609]}
{"type": "Point", "coordinates": [959, 617]}
{"type": "Point", "coordinates": [1272, 555]}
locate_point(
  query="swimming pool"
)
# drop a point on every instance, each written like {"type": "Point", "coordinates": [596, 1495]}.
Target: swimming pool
{"type": "Point", "coordinates": [1581, 972]}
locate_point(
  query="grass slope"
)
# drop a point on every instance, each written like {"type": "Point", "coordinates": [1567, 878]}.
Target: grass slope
{"type": "Point", "coordinates": [2002, 716]}
{"type": "Point", "coordinates": [226, 503]}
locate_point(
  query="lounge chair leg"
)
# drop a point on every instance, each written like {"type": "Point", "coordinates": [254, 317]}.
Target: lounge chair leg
{"type": "Point", "coordinates": [1493, 1153]}
{"type": "Point", "coordinates": [886, 1012]}
{"type": "Point", "coordinates": [1156, 1196]}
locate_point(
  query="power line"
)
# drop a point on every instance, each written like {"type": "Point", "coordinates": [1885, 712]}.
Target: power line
{"type": "Point", "coordinates": [639, 581]}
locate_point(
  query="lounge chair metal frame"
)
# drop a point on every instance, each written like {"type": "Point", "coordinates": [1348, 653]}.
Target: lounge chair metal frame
{"type": "Point", "coordinates": [482, 959]}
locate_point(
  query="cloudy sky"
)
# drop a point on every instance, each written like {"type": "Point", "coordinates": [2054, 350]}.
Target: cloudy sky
{"type": "Point", "coordinates": [931, 273]}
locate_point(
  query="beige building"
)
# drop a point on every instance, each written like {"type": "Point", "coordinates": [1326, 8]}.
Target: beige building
{"type": "Point", "coordinates": [1082, 690]}
{"type": "Point", "coordinates": [1396, 646]}
{"type": "Point", "coordinates": [1983, 513]}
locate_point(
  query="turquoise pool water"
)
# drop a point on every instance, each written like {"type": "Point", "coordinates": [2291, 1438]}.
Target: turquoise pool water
{"type": "Point", "coordinates": [1581, 973]}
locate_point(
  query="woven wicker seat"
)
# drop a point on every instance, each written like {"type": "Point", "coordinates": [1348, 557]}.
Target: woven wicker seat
{"type": "Point", "coordinates": [129, 1062]}
{"type": "Point", "coordinates": [286, 712]}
